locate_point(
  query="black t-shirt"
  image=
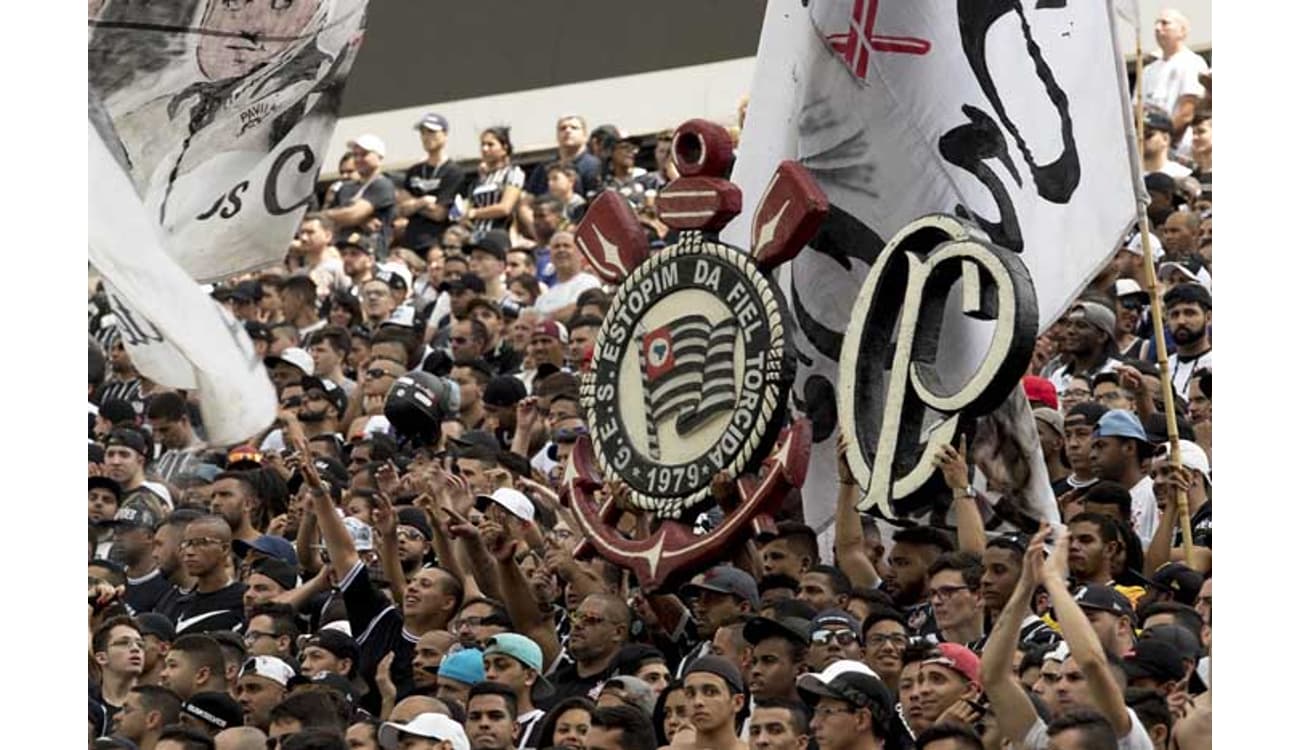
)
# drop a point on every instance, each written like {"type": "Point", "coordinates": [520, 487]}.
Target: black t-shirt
{"type": "Point", "coordinates": [382, 195]}
{"type": "Point", "coordinates": [146, 593]}
{"type": "Point", "coordinates": [504, 359]}
{"type": "Point", "coordinates": [1202, 527]}
{"type": "Point", "coordinates": [567, 684]}
{"type": "Point", "coordinates": [378, 628]}
{"type": "Point", "coordinates": [587, 166]}
{"type": "Point", "coordinates": [195, 612]}
{"type": "Point", "coordinates": [443, 181]}
{"type": "Point", "coordinates": [920, 619]}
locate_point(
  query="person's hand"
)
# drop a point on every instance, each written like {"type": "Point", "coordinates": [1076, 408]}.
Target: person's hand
{"type": "Point", "coordinates": [1057, 565]}
{"type": "Point", "coordinates": [501, 478]}
{"type": "Point", "coordinates": [1179, 478]}
{"type": "Point", "coordinates": [526, 415]}
{"type": "Point", "coordinates": [842, 461]}
{"type": "Point", "coordinates": [1071, 503]}
{"type": "Point", "coordinates": [540, 493]}
{"type": "Point", "coordinates": [276, 461]}
{"type": "Point", "coordinates": [383, 516]}
{"type": "Point", "coordinates": [498, 541]}
{"type": "Point", "coordinates": [952, 462]}
{"type": "Point", "coordinates": [1130, 378]}
{"type": "Point", "coordinates": [384, 677]}
{"type": "Point", "coordinates": [386, 480]}
{"type": "Point", "coordinates": [95, 470]}
{"type": "Point", "coordinates": [1031, 568]}
{"type": "Point", "coordinates": [459, 526]}
{"type": "Point", "coordinates": [961, 712]}
{"type": "Point", "coordinates": [278, 525]}
{"type": "Point", "coordinates": [559, 560]}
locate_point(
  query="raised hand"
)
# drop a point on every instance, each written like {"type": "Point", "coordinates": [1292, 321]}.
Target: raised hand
{"type": "Point", "coordinates": [952, 462]}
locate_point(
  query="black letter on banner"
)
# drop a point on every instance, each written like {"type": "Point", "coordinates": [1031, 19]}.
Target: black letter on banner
{"type": "Point", "coordinates": [1057, 181]}
{"type": "Point", "coordinates": [135, 333]}
{"type": "Point", "coordinates": [273, 206]}
{"type": "Point", "coordinates": [968, 146]}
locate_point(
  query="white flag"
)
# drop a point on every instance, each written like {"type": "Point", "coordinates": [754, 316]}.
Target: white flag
{"type": "Point", "coordinates": [222, 111]}
{"type": "Point", "coordinates": [1009, 113]}
{"type": "Point", "coordinates": [175, 333]}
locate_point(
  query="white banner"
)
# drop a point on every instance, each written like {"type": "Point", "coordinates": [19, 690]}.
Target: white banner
{"type": "Point", "coordinates": [223, 111]}
{"type": "Point", "coordinates": [1006, 112]}
{"type": "Point", "coordinates": [175, 333]}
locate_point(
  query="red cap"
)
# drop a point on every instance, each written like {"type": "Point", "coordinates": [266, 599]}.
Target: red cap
{"type": "Point", "coordinates": [959, 659]}
{"type": "Point", "coordinates": [552, 329]}
{"type": "Point", "coordinates": [1040, 391]}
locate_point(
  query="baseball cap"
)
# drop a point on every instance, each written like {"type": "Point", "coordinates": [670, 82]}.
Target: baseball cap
{"type": "Point", "coordinates": [277, 570]}
{"type": "Point", "coordinates": [1096, 315]}
{"type": "Point", "coordinates": [128, 438]}
{"type": "Point", "coordinates": [525, 651]}
{"type": "Point", "coordinates": [247, 291]}
{"type": "Point", "coordinates": [1156, 119]}
{"type": "Point", "coordinates": [495, 242]}
{"type": "Point", "coordinates": [725, 579]}
{"type": "Point", "coordinates": [394, 275]}
{"type": "Point", "coordinates": [1087, 413]}
{"type": "Point", "coordinates": [1052, 418]}
{"type": "Point", "coordinates": [334, 641]}
{"type": "Point", "coordinates": [1192, 455]}
{"type": "Point", "coordinates": [1130, 288]}
{"type": "Point", "coordinates": [257, 330]}
{"type": "Point", "coordinates": [431, 726]}
{"type": "Point", "coordinates": [468, 282]}
{"type": "Point", "coordinates": [849, 681]}
{"type": "Point", "coordinates": [464, 666]}
{"type": "Point", "coordinates": [1179, 580]}
{"type": "Point", "coordinates": [359, 240]}
{"type": "Point", "coordinates": [296, 356]}
{"type": "Point", "coordinates": [152, 623]}
{"type": "Point", "coordinates": [553, 329]}
{"type": "Point", "coordinates": [1188, 645]}
{"type": "Point", "coordinates": [333, 392]}
{"type": "Point", "coordinates": [432, 121]}
{"type": "Point", "coordinates": [216, 709]}
{"type": "Point", "coordinates": [369, 142]}
{"type": "Point", "coordinates": [272, 668]}
{"type": "Point", "coordinates": [1039, 390]}
{"type": "Point", "coordinates": [504, 390]}
{"type": "Point", "coordinates": [836, 617]}
{"type": "Point", "coordinates": [412, 516]}
{"type": "Point", "coordinates": [1156, 659]}
{"type": "Point", "coordinates": [1120, 423]}
{"type": "Point", "coordinates": [717, 665]}
{"type": "Point", "coordinates": [959, 659]}
{"type": "Point", "coordinates": [795, 629]}
{"type": "Point", "coordinates": [1102, 598]}
{"type": "Point", "coordinates": [476, 443]}
{"type": "Point", "coordinates": [636, 692]}
{"type": "Point", "coordinates": [135, 516]}
{"type": "Point", "coordinates": [269, 545]}
{"type": "Point", "coordinates": [514, 501]}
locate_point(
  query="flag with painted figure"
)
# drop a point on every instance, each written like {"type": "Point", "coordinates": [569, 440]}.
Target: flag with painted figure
{"type": "Point", "coordinates": [1013, 116]}
{"type": "Point", "coordinates": [222, 112]}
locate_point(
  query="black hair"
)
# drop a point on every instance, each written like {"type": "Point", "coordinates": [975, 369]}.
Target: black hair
{"type": "Point", "coordinates": [160, 699]}
{"type": "Point", "coordinates": [798, 712]}
{"type": "Point", "coordinates": [840, 583]}
{"type": "Point", "coordinates": [661, 710]}
{"type": "Point", "coordinates": [1188, 293]}
{"type": "Point", "coordinates": [314, 709]}
{"type": "Point", "coordinates": [967, 564]}
{"type": "Point", "coordinates": [777, 581]}
{"type": "Point", "coordinates": [284, 621]}
{"type": "Point", "coordinates": [99, 639]}
{"type": "Point", "coordinates": [1106, 492]}
{"type": "Point", "coordinates": [962, 736]}
{"type": "Point", "coordinates": [502, 134]}
{"type": "Point", "coordinates": [336, 336]}
{"type": "Point", "coordinates": [394, 334]}
{"type": "Point", "coordinates": [1151, 708]}
{"type": "Point", "coordinates": [1097, 732]}
{"type": "Point", "coordinates": [187, 738]}
{"type": "Point", "coordinates": [201, 651]}
{"type": "Point", "coordinates": [883, 615]}
{"type": "Point", "coordinates": [916, 652]}
{"type": "Point", "coordinates": [487, 687]}
{"type": "Point", "coordinates": [97, 367]}
{"type": "Point", "coordinates": [794, 608]}
{"type": "Point", "coordinates": [801, 537]}
{"type": "Point", "coordinates": [1107, 525]}
{"type": "Point", "coordinates": [877, 600]}
{"type": "Point", "coordinates": [637, 732]}
{"type": "Point", "coordinates": [1204, 380]}
{"type": "Point", "coordinates": [1185, 617]}
{"type": "Point", "coordinates": [168, 405]}
{"type": "Point", "coordinates": [500, 616]}
{"type": "Point", "coordinates": [300, 286]}
{"type": "Point", "coordinates": [925, 536]}
{"type": "Point", "coordinates": [314, 739]}
{"type": "Point", "coordinates": [1032, 657]}
{"type": "Point", "coordinates": [529, 281]}
{"type": "Point", "coordinates": [349, 303]}
{"type": "Point", "coordinates": [546, 734]}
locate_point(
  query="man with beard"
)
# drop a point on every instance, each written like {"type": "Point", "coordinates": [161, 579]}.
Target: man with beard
{"type": "Point", "coordinates": [194, 664]}
{"type": "Point", "coordinates": [234, 499]}
{"type": "Point", "coordinates": [907, 580]}
{"type": "Point", "coordinates": [600, 628]}
{"type": "Point", "coordinates": [133, 534]}
{"type": "Point", "coordinates": [1187, 315]}
{"type": "Point", "coordinates": [166, 553]}
{"type": "Point", "coordinates": [1088, 346]}
{"type": "Point", "coordinates": [323, 405]}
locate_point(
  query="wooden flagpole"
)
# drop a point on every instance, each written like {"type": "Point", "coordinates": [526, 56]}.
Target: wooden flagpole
{"type": "Point", "coordinates": [1158, 324]}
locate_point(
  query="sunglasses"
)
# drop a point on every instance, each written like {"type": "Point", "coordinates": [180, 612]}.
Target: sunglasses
{"type": "Point", "coordinates": [842, 637]}
{"type": "Point", "coordinates": [291, 402]}
{"type": "Point", "coordinates": [376, 372]}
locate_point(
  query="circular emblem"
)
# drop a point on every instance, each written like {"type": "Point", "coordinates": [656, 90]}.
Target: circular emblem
{"type": "Point", "coordinates": [690, 375]}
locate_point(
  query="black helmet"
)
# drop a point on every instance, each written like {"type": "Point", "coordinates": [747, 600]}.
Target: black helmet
{"type": "Point", "coordinates": [416, 405]}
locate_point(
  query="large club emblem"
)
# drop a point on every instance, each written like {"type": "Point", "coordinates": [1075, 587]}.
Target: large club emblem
{"type": "Point", "coordinates": [693, 364]}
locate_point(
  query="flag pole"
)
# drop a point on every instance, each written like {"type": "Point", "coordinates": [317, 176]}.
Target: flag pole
{"type": "Point", "coordinates": [1158, 324]}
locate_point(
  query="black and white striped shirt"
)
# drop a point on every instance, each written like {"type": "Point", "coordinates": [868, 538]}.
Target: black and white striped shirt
{"type": "Point", "coordinates": [487, 191]}
{"type": "Point", "coordinates": [125, 390]}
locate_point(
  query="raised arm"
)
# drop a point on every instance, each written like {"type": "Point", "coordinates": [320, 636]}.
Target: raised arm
{"type": "Point", "coordinates": [850, 543]}
{"type": "Point", "coordinates": [1015, 712]}
{"type": "Point", "coordinates": [343, 555]}
{"type": "Point", "coordinates": [389, 557]}
{"type": "Point", "coordinates": [1085, 647]}
{"type": "Point", "coordinates": [525, 612]}
{"type": "Point", "coordinates": [956, 474]}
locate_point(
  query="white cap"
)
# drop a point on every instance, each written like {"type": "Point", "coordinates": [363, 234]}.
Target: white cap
{"type": "Point", "coordinates": [1125, 287]}
{"type": "Point", "coordinates": [363, 537]}
{"type": "Point", "coordinates": [369, 142]}
{"type": "Point", "coordinates": [298, 357]}
{"type": "Point", "coordinates": [514, 501]}
{"type": "Point", "coordinates": [431, 726]}
{"type": "Point", "coordinates": [1193, 457]}
{"type": "Point", "coordinates": [272, 668]}
{"type": "Point", "coordinates": [403, 316]}
{"type": "Point", "coordinates": [398, 269]}
{"type": "Point", "coordinates": [343, 626]}
{"type": "Point", "coordinates": [1134, 245]}
{"type": "Point", "coordinates": [1060, 653]}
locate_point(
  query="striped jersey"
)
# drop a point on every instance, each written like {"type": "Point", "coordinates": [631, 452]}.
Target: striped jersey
{"type": "Point", "coordinates": [487, 191]}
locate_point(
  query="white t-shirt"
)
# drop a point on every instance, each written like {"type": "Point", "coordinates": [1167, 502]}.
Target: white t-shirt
{"type": "Point", "coordinates": [565, 293]}
{"type": "Point", "coordinates": [1136, 739]}
{"type": "Point", "coordinates": [1181, 371]}
{"type": "Point", "coordinates": [1164, 82]}
{"type": "Point", "coordinates": [1172, 168]}
{"type": "Point", "coordinates": [1146, 516]}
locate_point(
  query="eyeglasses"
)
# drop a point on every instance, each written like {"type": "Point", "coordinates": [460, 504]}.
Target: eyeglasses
{"type": "Point", "coordinates": [1077, 393]}
{"type": "Point", "coordinates": [897, 640]}
{"type": "Point", "coordinates": [842, 637]}
{"type": "Point", "coordinates": [587, 620]}
{"type": "Point", "coordinates": [202, 541]}
{"type": "Point", "coordinates": [291, 402]}
{"type": "Point", "coordinates": [253, 635]}
{"type": "Point", "coordinates": [468, 622]}
{"type": "Point", "coordinates": [128, 643]}
{"type": "Point", "coordinates": [410, 532]}
{"type": "Point", "coordinates": [823, 712]}
{"type": "Point", "coordinates": [1111, 396]}
{"type": "Point", "coordinates": [944, 593]}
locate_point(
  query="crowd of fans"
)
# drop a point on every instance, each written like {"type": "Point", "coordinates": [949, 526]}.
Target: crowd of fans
{"type": "Point", "coordinates": [338, 582]}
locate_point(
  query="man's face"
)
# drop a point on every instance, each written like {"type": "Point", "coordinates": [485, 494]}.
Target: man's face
{"type": "Point", "coordinates": [517, 264]}
{"type": "Point", "coordinates": [1076, 392]}
{"type": "Point", "coordinates": [257, 31]}
{"type": "Point", "coordinates": [1049, 676]}
{"type": "Point", "coordinates": [778, 558]}
{"type": "Point", "coordinates": [831, 643]}
{"type": "Point", "coordinates": [1170, 30]}
{"type": "Point", "coordinates": [313, 236]}
{"type": "Point", "coordinates": [1111, 630]}
{"type": "Point", "coordinates": [485, 265]}
{"type": "Point", "coordinates": [432, 140]}
{"type": "Point", "coordinates": [172, 433]}
{"type": "Point", "coordinates": [101, 505]}
{"type": "Point", "coordinates": [624, 155]}
{"type": "Point", "coordinates": [1199, 407]}
{"type": "Point", "coordinates": [836, 724]}
{"type": "Point", "coordinates": [955, 604]}
{"type": "Point", "coordinates": [429, 651]}
{"type": "Point", "coordinates": [469, 628]}
{"type": "Point", "coordinates": [118, 359]}
{"type": "Point", "coordinates": [711, 704]}
{"type": "Point", "coordinates": [377, 300]}
{"type": "Point", "coordinates": [773, 670]}
{"type": "Point", "coordinates": [546, 349]}
{"type": "Point", "coordinates": [178, 674]}
{"type": "Point", "coordinates": [569, 133]}
{"type": "Point", "coordinates": [1071, 687]}
{"type": "Point", "coordinates": [260, 637]}
{"type": "Point", "coordinates": [1110, 457]}
{"type": "Point", "coordinates": [1203, 136]}
{"type": "Point", "coordinates": [1081, 337]}
{"type": "Point", "coordinates": [131, 722]}
{"type": "Point", "coordinates": [426, 594]}
{"type": "Point", "coordinates": [463, 342]}
{"type": "Point", "coordinates": [1178, 235]}
{"type": "Point", "coordinates": [166, 549]}
{"type": "Point", "coordinates": [1187, 322]}
{"type": "Point", "coordinates": [906, 580]}
{"type": "Point", "coordinates": [470, 391]}
{"type": "Point", "coordinates": [202, 550]}
{"type": "Point", "coordinates": [491, 320]}
{"type": "Point", "coordinates": [356, 261]}
{"type": "Point", "coordinates": [939, 688]}
{"type": "Point", "coordinates": [325, 357]}
{"type": "Point", "coordinates": [883, 651]}
{"type": "Point", "coordinates": [488, 723]}
{"type": "Point", "coordinates": [1048, 439]}
{"type": "Point", "coordinates": [545, 221]}
{"type": "Point", "coordinates": [594, 633]}
{"type": "Point", "coordinates": [1001, 572]}
{"type": "Point", "coordinates": [773, 729]}
{"type": "Point", "coordinates": [1078, 443]}
{"type": "Point", "coordinates": [123, 464]}
{"type": "Point", "coordinates": [564, 253]}
{"type": "Point", "coordinates": [230, 501]}
{"type": "Point", "coordinates": [316, 660]}
{"type": "Point", "coordinates": [136, 543]}
{"type": "Point", "coordinates": [257, 696]}
{"type": "Point", "coordinates": [507, 671]}
{"type": "Point", "coordinates": [1089, 555]}
{"type": "Point", "coordinates": [1111, 396]}
{"type": "Point", "coordinates": [124, 654]}
{"type": "Point", "coordinates": [581, 339]}
{"type": "Point", "coordinates": [714, 609]}
{"type": "Point", "coordinates": [815, 588]}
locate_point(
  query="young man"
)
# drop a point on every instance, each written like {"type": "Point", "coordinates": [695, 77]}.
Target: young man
{"type": "Point", "coordinates": [780, 654]}
{"type": "Point", "coordinates": [824, 587]}
{"type": "Point", "coordinates": [430, 187]}
{"type": "Point", "coordinates": [216, 601]}
{"type": "Point", "coordinates": [1051, 439]}
{"type": "Point", "coordinates": [778, 725]}
{"type": "Point", "coordinates": [791, 552]}
{"type": "Point", "coordinates": [1187, 310]}
{"type": "Point", "coordinates": [169, 418]}
{"type": "Point", "coordinates": [1003, 556]}
{"type": "Point", "coordinates": [194, 664]}
{"type": "Point", "coordinates": [834, 635]}
{"type": "Point", "coordinates": [329, 348]}
{"type": "Point", "coordinates": [272, 631]}
{"type": "Point", "coordinates": [487, 261]}
{"type": "Point", "coordinates": [1087, 347]}
{"type": "Point", "coordinates": [1157, 134]}
{"type": "Point", "coordinates": [235, 499]}
{"type": "Point", "coordinates": [1094, 539]}
{"type": "Point", "coordinates": [299, 301]}
{"type": "Point", "coordinates": [948, 674]}
{"type": "Point", "coordinates": [885, 638]}
{"type": "Point", "coordinates": [515, 661]}
{"type": "Point", "coordinates": [914, 551]}
{"type": "Point", "coordinates": [852, 709]}
{"type": "Point", "coordinates": [490, 714]}
{"type": "Point", "coordinates": [955, 596]}
{"type": "Point", "coordinates": [320, 260]}
{"type": "Point", "coordinates": [372, 196]}
{"type": "Point", "coordinates": [118, 649]}
{"type": "Point", "coordinates": [720, 596]}
{"type": "Point", "coordinates": [715, 694]}
{"type": "Point", "coordinates": [263, 682]}
{"type": "Point", "coordinates": [1119, 448]}
{"type": "Point", "coordinates": [1080, 420]}
{"type": "Point", "coordinates": [147, 710]}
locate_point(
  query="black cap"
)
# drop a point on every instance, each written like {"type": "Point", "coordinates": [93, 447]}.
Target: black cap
{"type": "Point", "coordinates": [152, 623]}
{"type": "Point", "coordinates": [717, 665]}
{"type": "Point", "coordinates": [794, 629]}
{"type": "Point", "coordinates": [1159, 182]}
{"type": "Point", "coordinates": [217, 710]}
{"type": "Point", "coordinates": [358, 240]}
{"type": "Point", "coordinates": [1154, 658]}
{"type": "Point", "coordinates": [333, 392]}
{"type": "Point", "coordinates": [105, 483]}
{"type": "Point", "coordinates": [336, 642]}
{"type": "Point", "coordinates": [1089, 411]}
{"type": "Point", "coordinates": [330, 680]}
{"type": "Point", "coordinates": [504, 391]}
{"type": "Point", "coordinates": [848, 681]}
{"type": "Point", "coordinates": [1183, 640]}
{"type": "Point", "coordinates": [257, 330]}
{"type": "Point", "coordinates": [1156, 119]}
{"type": "Point", "coordinates": [495, 242]}
{"type": "Point", "coordinates": [277, 570]}
{"type": "Point", "coordinates": [125, 436]}
{"type": "Point", "coordinates": [412, 516]}
{"type": "Point", "coordinates": [468, 282]}
{"type": "Point", "coordinates": [1103, 598]}
{"type": "Point", "coordinates": [478, 444]}
{"type": "Point", "coordinates": [1157, 428]}
{"type": "Point", "coordinates": [247, 291]}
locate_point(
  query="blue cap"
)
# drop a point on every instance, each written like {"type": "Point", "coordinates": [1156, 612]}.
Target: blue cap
{"type": "Point", "coordinates": [1122, 424]}
{"type": "Point", "coordinates": [267, 544]}
{"type": "Point", "coordinates": [463, 666]}
{"type": "Point", "coordinates": [520, 648]}
{"type": "Point", "coordinates": [432, 121]}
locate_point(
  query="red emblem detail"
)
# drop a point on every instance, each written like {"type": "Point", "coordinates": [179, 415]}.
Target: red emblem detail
{"type": "Point", "coordinates": [792, 208]}
{"type": "Point", "coordinates": [706, 203]}
{"type": "Point", "coordinates": [856, 44]}
{"type": "Point", "coordinates": [659, 358]}
{"type": "Point", "coordinates": [611, 238]}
